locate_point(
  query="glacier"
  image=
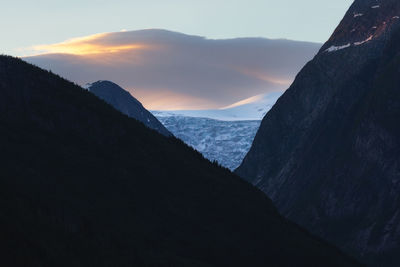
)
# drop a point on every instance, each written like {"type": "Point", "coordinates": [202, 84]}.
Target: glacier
{"type": "Point", "coordinates": [226, 142]}
{"type": "Point", "coordinates": [224, 135]}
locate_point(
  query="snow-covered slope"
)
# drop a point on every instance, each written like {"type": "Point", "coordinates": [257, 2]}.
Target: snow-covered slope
{"type": "Point", "coordinates": [224, 135]}
{"type": "Point", "coordinates": [253, 108]}
{"type": "Point", "coordinates": [224, 141]}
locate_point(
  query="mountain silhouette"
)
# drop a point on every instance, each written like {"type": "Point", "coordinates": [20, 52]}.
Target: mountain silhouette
{"type": "Point", "coordinates": [82, 184]}
{"type": "Point", "coordinates": [123, 101]}
{"type": "Point", "coordinates": [328, 152]}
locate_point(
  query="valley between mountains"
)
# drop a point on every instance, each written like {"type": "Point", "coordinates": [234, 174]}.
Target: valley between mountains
{"type": "Point", "coordinates": [237, 162]}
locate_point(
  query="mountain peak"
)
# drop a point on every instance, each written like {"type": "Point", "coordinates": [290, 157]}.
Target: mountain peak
{"type": "Point", "coordinates": [366, 21]}
{"type": "Point", "coordinates": [123, 101]}
{"type": "Point", "coordinates": [83, 185]}
{"type": "Point", "coordinates": [327, 152]}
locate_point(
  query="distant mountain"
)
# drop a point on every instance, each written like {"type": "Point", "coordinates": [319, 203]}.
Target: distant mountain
{"type": "Point", "coordinates": [328, 152]}
{"type": "Point", "coordinates": [222, 135]}
{"type": "Point", "coordinates": [83, 185]}
{"type": "Point", "coordinates": [226, 142]}
{"type": "Point", "coordinates": [253, 108]}
{"type": "Point", "coordinates": [170, 70]}
{"type": "Point", "coordinates": [123, 101]}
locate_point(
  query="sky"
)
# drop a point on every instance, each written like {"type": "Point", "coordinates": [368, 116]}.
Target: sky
{"type": "Point", "coordinates": [26, 23]}
{"type": "Point", "coordinates": [168, 70]}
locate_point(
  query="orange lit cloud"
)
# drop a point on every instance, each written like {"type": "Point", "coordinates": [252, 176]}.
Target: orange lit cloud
{"type": "Point", "coordinates": [169, 70]}
{"type": "Point", "coordinates": [161, 99]}
{"type": "Point", "coordinates": [88, 45]}
{"type": "Point", "coordinates": [244, 101]}
{"type": "Point", "coordinates": [86, 49]}
{"type": "Point", "coordinates": [266, 77]}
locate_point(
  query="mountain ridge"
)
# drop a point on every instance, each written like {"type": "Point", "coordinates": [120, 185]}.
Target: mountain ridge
{"type": "Point", "coordinates": [329, 161]}
{"type": "Point", "coordinates": [123, 101]}
{"type": "Point", "coordinates": [83, 184]}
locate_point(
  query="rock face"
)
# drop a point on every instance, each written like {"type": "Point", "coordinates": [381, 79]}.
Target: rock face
{"type": "Point", "coordinates": [83, 185]}
{"type": "Point", "coordinates": [123, 101]}
{"type": "Point", "coordinates": [328, 152]}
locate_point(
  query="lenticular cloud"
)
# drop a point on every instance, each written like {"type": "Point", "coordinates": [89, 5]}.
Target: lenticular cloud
{"type": "Point", "coordinates": [169, 70]}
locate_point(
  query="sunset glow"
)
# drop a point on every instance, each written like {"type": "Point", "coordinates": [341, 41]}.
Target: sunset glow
{"type": "Point", "coordinates": [266, 77]}
{"type": "Point", "coordinates": [89, 45]}
{"type": "Point", "coordinates": [172, 71]}
{"type": "Point", "coordinates": [244, 101]}
{"type": "Point", "coordinates": [87, 49]}
{"type": "Point", "coordinates": [161, 99]}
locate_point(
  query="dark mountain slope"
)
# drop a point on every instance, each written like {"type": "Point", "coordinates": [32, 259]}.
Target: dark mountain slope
{"type": "Point", "coordinates": [328, 153]}
{"type": "Point", "coordinates": [83, 185]}
{"type": "Point", "coordinates": [123, 101]}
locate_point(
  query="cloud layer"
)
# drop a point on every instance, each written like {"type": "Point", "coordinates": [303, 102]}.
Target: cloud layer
{"type": "Point", "coordinates": [169, 70]}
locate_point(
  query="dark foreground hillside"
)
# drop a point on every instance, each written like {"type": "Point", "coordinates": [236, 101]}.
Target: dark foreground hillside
{"type": "Point", "coordinates": [83, 185]}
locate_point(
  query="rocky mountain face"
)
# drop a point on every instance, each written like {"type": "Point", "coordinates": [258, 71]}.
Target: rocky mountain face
{"type": "Point", "coordinates": [328, 152]}
{"type": "Point", "coordinates": [83, 185]}
{"type": "Point", "coordinates": [123, 101]}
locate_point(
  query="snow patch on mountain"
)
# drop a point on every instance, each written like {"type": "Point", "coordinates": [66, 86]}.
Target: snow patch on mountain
{"type": "Point", "coordinates": [87, 86]}
{"type": "Point", "coordinates": [336, 48]}
{"type": "Point", "coordinates": [366, 40]}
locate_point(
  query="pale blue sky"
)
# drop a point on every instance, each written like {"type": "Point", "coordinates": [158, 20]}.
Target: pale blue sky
{"type": "Point", "coordinates": [24, 23]}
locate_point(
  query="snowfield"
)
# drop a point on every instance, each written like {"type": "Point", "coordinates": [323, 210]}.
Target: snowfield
{"type": "Point", "coordinates": [224, 141]}
{"type": "Point", "coordinates": [224, 135]}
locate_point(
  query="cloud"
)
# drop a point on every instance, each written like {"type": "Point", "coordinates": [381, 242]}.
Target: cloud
{"type": "Point", "coordinates": [89, 45]}
{"type": "Point", "coordinates": [169, 70]}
